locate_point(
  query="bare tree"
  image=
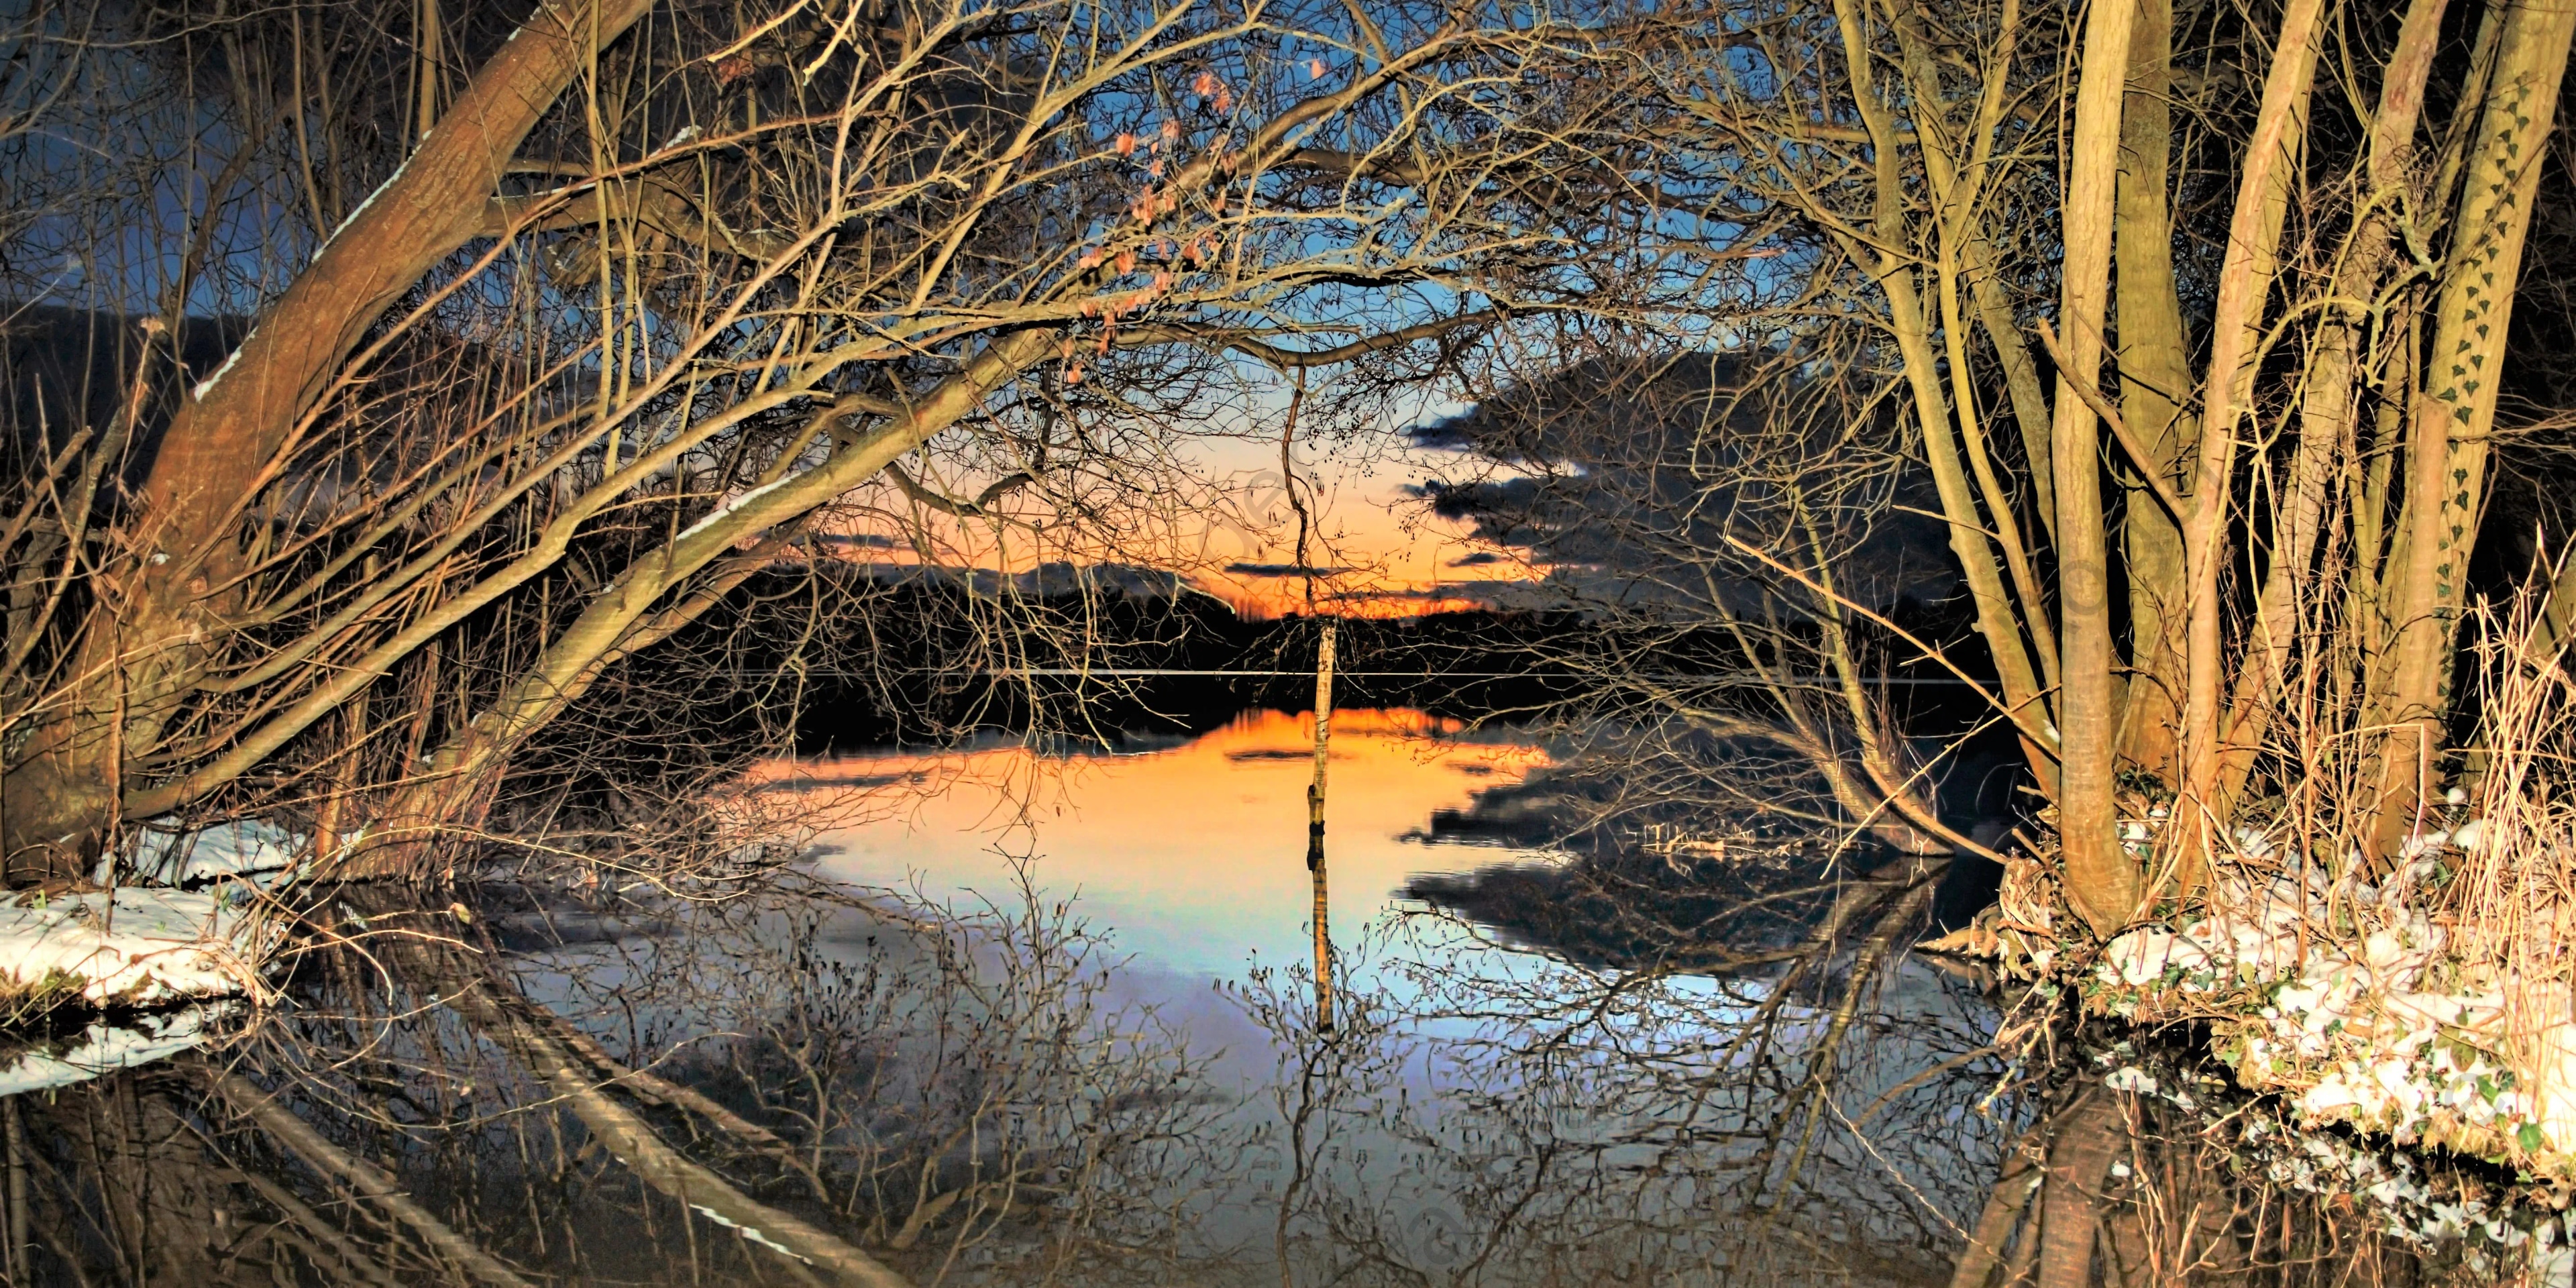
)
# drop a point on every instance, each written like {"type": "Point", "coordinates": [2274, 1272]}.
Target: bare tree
{"type": "Point", "coordinates": [1713, 519]}
{"type": "Point", "coordinates": [635, 297]}
{"type": "Point", "coordinates": [2192, 319]}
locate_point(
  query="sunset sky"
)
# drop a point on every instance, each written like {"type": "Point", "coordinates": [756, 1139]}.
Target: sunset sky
{"type": "Point", "coordinates": [1397, 558]}
{"type": "Point", "coordinates": [1371, 523]}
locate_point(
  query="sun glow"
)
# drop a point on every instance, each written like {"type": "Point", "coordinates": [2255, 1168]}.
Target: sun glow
{"type": "Point", "coordinates": [1223, 523]}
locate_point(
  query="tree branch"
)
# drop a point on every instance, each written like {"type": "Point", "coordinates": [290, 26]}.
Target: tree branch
{"type": "Point", "coordinates": [974, 509]}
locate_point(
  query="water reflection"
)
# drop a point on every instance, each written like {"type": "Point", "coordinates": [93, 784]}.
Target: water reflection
{"type": "Point", "coordinates": [1700, 1083]}
{"type": "Point", "coordinates": [1195, 852]}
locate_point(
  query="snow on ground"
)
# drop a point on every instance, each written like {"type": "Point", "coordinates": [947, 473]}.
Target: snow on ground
{"type": "Point", "coordinates": [149, 941]}
{"type": "Point", "coordinates": [105, 1048]}
{"type": "Point", "coordinates": [2347, 998]}
{"type": "Point", "coordinates": [182, 920]}
{"type": "Point", "coordinates": [167, 854]}
{"type": "Point", "coordinates": [2379, 1026]}
{"type": "Point", "coordinates": [137, 946]}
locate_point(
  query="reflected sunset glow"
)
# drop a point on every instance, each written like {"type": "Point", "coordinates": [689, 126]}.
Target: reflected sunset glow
{"type": "Point", "coordinates": [1195, 855]}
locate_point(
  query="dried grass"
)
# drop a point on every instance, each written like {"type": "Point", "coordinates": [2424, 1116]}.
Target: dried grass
{"type": "Point", "coordinates": [2506, 875]}
{"type": "Point", "coordinates": [2430, 995]}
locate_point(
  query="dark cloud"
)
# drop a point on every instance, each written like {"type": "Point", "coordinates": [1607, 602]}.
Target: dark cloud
{"type": "Point", "coordinates": [1629, 480]}
{"type": "Point", "coordinates": [1480, 559]}
{"type": "Point", "coordinates": [1053, 578]}
{"type": "Point", "coordinates": [1451, 434]}
{"type": "Point", "coordinates": [1283, 570]}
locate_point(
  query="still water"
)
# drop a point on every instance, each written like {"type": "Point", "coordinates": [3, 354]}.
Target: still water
{"type": "Point", "coordinates": [1193, 855]}
{"type": "Point", "coordinates": [1022, 1017]}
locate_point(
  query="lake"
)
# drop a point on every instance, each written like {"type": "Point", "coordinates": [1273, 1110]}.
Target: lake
{"type": "Point", "coordinates": [1193, 854]}
{"type": "Point", "coordinates": [1029, 1015]}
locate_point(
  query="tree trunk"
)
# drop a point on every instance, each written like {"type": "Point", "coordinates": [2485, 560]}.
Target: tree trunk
{"type": "Point", "coordinates": [181, 592]}
{"type": "Point", "coordinates": [2102, 881]}
{"type": "Point", "coordinates": [2454, 413]}
{"type": "Point", "coordinates": [2087, 1141]}
{"type": "Point", "coordinates": [2155, 373]}
{"type": "Point", "coordinates": [631, 614]}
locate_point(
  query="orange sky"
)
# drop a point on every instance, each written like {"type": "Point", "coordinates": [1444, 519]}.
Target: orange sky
{"type": "Point", "coordinates": [1368, 521]}
{"type": "Point", "coordinates": [1399, 556]}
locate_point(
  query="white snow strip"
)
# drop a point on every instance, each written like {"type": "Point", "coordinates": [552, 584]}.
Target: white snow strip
{"type": "Point", "coordinates": [199, 393]}
{"type": "Point", "coordinates": [163, 946]}
{"type": "Point", "coordinates": [167, 855]}
{"type": "Point", "coordinates": [106, 1048]}
{"type": "Point", "coordinates": [749, 1233]}
{"type": "Point", "coordinates": [381, 189]}
{"type": "Point", "coordinates": [735, 504]}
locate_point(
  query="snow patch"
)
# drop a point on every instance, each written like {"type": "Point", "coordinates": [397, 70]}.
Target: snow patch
{"type": "Point", "coordinates": [2131, 1078]}
{"type": "Point", "coordinates": [749, 1233]}
{"type": "Point", "coordinates": [729, 507]}
{"type": "Point", "coordinates": [2145, 956]}
{"type": "Point", "coordinates": [381, 189]}
{"type": "Point", "coordinates": [136, 946]}
{"type": "Point", "coordinates": [207, 385]}
{"type": "Point", "coordinates": [168, 855]}
{"type": "Point", "coordinates": [2345, 996]}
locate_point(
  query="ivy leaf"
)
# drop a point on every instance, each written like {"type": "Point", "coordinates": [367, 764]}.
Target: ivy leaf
{"type": "Point", "coordinates": [2531, 1139]}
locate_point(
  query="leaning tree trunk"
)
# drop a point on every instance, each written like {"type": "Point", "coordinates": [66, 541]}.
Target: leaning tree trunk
{"type": "Point", "coordinates": [173, 593]}
{"type": "Point", "coordinates": [2454, 411]}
